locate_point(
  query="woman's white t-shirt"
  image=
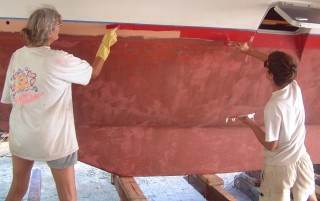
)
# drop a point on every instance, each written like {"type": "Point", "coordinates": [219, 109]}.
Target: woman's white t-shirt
{"type": "Point", "coordinates": [284, 119]}
{"type": "Point", "coordinates": [38, 85]}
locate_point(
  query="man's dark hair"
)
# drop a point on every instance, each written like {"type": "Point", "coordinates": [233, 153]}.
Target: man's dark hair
{"type": "Point", "coordinates": [283, 68]}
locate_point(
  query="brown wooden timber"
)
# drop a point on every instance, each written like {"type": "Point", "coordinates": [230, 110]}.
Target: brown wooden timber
{"type": "Point", "coordinates": [128, 189]}
{"type": "Point", "coordinates": [217, 193]}
{"type": "Point", "coordinates": [209, 185]}
{"type": "Point", "coordinates": [210, 179]}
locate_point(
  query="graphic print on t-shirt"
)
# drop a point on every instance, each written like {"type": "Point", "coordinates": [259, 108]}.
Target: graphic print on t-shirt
{"type": "Point", "coordinates": [23, 88]}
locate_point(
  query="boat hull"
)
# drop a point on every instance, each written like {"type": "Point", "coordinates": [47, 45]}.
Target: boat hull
{"type": "Point", "coordinates": [159, 105]}
{"type": "Point", "coordinates": [133, 151]}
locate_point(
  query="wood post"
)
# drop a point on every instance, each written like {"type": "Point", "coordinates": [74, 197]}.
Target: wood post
{"type": "Point", "coordinates": [128, 189]}
{"type": "Point", "coordinates": [209, 185]}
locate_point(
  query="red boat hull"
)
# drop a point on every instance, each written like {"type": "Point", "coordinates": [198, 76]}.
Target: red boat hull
{"type": "Point", "coordinates": [159, 106]}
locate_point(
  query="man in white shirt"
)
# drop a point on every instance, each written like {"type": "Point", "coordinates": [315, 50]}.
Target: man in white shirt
{"type": "Point", "coordinates": [287, 165]}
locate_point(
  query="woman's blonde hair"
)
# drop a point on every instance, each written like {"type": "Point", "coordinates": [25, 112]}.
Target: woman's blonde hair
{"type": "Point", "coordinates": [40, 25]}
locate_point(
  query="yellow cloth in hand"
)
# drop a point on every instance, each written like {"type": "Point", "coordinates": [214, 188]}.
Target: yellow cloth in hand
{"type": "Point", "coordinates": [109, 39]}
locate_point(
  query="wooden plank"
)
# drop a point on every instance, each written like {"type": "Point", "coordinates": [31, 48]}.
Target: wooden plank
{"type": "Point", "coordinates": [199, 182]}
{"type": "Point", "coordinates": [113, 177]}
{"type": "Point", "coordinates": [217, 193]}
{"type": "Point", "coordinates": [254, 180]}
{"type": "Point", "coordinates": [211, 179]}
{"type": "Point", "coordinates": [194, 181]}
{"type": "Point", "coordinates": [35, 186]}
{"type": "Point", "coordinates": [128, 189]}
{"type": "Point", "coordinates": [247, 187]}
{"type": "Point", "coordinates": [209, 186]}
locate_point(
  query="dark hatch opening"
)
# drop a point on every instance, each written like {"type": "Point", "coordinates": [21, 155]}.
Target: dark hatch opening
{"type": "Point", "coordinates": [273, 21]}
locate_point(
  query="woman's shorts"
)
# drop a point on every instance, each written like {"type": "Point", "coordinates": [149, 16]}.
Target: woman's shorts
{"type": "Point", "coordinates": [64, 162]}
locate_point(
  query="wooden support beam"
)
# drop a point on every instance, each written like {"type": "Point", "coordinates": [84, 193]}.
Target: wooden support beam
{"type": "Point", "coordinates": [35, 186]}
{"type": "Point", "coordinates": [128, 189]}
{"type": "Point", "coordinates": [248, 186]}
{"type": "Point", "coordinates": [209, 186]}
{"type": "Point", "coordinates": [251, 178]}
{"type": "Point", "coordinates": [210, 179]}
{"type": "Point", "coordinates": [113, 177]}
{"type": "Point", "coordinates": [217, 193]}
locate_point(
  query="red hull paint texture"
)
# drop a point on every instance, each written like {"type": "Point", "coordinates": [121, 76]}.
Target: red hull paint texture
{"type": "Point", "coordinates": [159, 106]}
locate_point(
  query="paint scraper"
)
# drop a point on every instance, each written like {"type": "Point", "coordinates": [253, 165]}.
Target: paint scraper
{"type": "Point", "coordinates": [233, 118]}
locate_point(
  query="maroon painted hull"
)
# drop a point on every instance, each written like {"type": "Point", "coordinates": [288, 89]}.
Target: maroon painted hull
{"type": "Point", "coordinates": [159, 106]}
{"type": "Point", "coordinates": [134, 151]}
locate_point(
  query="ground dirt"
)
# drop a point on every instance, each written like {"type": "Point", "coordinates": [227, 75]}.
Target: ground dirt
{"type": "Point", "coordinates": [95, 185]}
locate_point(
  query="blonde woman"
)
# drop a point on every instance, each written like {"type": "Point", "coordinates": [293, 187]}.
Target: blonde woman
{"type": "Point", "coordinates": [38, 85]}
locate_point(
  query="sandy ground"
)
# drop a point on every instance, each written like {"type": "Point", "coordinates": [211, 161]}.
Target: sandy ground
{"type": "Point", "coordinates": [95, 184]}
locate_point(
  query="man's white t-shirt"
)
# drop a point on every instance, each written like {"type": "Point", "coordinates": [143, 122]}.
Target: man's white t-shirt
{"type": "Point", "coordinates": [284, 119]}
{"type": "Point", "coordinates": [38, 85]}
